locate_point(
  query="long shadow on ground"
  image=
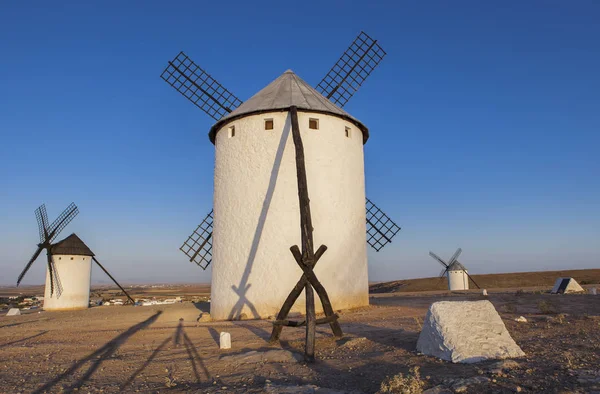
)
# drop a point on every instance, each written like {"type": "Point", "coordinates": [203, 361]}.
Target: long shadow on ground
{"type": "Point", "coordinates": [98, 356]}
{"type": "Point", "coordinates": [22, 340]}
{"type": "Point", "coordinates": [180, 337]}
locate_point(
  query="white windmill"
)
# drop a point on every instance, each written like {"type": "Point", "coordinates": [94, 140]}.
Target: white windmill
{"type": "Point", "coordinates": [255, 215]}
{"type": "Point", "coordinates": [69, 263]}
{"type": "Point", "coordinates": [458, 276]}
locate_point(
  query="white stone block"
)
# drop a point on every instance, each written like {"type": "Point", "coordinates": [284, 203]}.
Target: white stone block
{"type": "Point", "coordinates": [566, 286]}
{"type": "Point", "coordinates": [225, 340]}
{"type": "Point", "coordinates": [13, 312]}
{"type": "Point", "coordinates": [484, 292]}
{"type": "Point", "coordinates": [466, 332]}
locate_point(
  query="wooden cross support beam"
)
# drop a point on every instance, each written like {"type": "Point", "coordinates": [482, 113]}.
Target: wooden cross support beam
{"type": "Point", "coordinates": [306, 260]}
{"type": "Point", "coordinates": [292, 323]}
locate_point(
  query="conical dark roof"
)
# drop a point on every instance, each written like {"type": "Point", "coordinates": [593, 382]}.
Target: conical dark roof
{"type": "Point", "coordinates": [456, 266]}
{"type": "Point", "coordinates": [71, 245]}
{"type": "Point", "coordinates": [286, 91]}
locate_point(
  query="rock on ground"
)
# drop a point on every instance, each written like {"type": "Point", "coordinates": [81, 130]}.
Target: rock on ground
{"type": "Point", "coordinates": [466, 332]}
{"type": "Point", "coordinates": [204, 318]}
{"type": "Point", "coordinates": [13, 312]}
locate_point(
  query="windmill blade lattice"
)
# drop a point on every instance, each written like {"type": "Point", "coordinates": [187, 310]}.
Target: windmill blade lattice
{"type": "Point", "coordinates": [55, 283]}
{"type": "Point", "coordinates": [61, 222]}
{"type": "Point", "coordinates": [199, 87]}
{"type": "Point", "coordinates": [439, 259]}
{"type": "Point", "coordinates": [380, 228]}
{"type": "Point", "coordinates": [455, 256]}
{"type": "Point", "coordinates": [42, 218]}
{"type": "Point", "coordinates": [198, 246]}
{"type": "Point", "coordinates": [351, 70]}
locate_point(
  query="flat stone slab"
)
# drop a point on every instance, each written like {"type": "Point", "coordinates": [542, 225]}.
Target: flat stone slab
{"type": "Point", "coordinates": [13, 312]}
{"type": "Point", "coordinates": [466, 332]}
{"type": "Point", "coordinates": [270, 356]}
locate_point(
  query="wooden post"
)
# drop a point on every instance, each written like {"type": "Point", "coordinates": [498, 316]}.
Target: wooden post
{"type": "Point", "coordinates": [306, 230]}
{"type": "Point", "coordinates": [293, 296]}
{"type": "Point", "coordinates": [306, 259]}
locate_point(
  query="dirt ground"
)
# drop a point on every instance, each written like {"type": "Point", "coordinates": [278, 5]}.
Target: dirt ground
{"type": "Point", "coordinates": [149, 349]}
{"type": "Point", "coordinates": [491, 281]}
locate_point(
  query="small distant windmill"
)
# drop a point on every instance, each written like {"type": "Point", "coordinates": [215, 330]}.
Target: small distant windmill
{"type": "Point", "coordinates": [458, 277]}
{"type": "Point", "coordinates": [69, 258]}
{"type": "Point", "coordinates": [49, 232]}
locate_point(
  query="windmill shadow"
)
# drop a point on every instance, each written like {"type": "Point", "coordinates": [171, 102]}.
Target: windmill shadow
{"type": "Point", "coordinates": [194, 357]}
{"type": "Point", "coordinates": [202, 306]}
{"type": "Point", "coordinates": [242, 289]}
{"type": "Point", "coordinates": [98, 356]}
{"type": "Point", "coordinates": [179, 338]}
{"type": "Point", "coordinates": [22, 340]}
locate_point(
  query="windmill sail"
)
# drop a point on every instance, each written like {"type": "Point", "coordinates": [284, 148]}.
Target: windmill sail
{"type": "Point", "coordinates": [351, 70]}
{"type": "Point", "coordinates": [199, 87]}
{"type": "Point", "coordinates": [198, 246]}
{"type": "Point", "coordinates": [380, 228]}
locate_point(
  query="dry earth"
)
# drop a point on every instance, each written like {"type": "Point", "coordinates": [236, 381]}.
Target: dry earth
{"type": "Point", "coordinates": [149, 349]}
{"type": "Point", "coordinates": [492, 281]}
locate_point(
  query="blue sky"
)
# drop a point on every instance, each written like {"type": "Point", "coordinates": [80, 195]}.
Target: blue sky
{"type": "Point", "coordinates": [484, 124]}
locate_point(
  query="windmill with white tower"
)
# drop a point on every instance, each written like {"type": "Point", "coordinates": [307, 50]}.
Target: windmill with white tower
{"type": "Point", "coordinates": [69, 263]}
{"type": "Point", "coordinates": [257, 185]}
{"type": "Point", "coordinates": [457, 274]}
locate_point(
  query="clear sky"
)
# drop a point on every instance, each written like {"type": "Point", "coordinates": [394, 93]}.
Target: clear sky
{"type": "Point", "coordinates": [484, 122]}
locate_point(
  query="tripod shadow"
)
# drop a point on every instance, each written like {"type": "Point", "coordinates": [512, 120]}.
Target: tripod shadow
{"type": "Point", "coordinates": [21, 323]}
{"type": "Point", "coordinates": [242, 289]}
{"type": "Point", "coordinates": [179, 338]}
{"type": "Point", "coordinates": [98, 356]}
{"type": "Point", "coordinates": [22, 340]}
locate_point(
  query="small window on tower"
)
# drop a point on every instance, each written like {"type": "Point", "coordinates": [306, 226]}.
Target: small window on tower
{"type": "Point", "coordinates": [347, 131]}
{"type": "Point", "coordinates": [268, 124]}
{"type": "Point", "coordinates": [231, 131]}
{"type": "Point", "coordinates": [313, 124]}
{"type": "Point", "coordinates": [71, 258]}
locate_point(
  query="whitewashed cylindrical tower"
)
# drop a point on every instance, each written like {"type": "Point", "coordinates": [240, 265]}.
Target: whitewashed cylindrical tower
{"type": "Point", "coordinates": [256, 208]}
{"type": "Point", "coordinates": [73, 261]}
{"type": "Point", "coordinates": [457, 277]}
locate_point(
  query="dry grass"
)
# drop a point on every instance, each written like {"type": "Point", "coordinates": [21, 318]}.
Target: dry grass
{"type": "Point", "coordinates": [547, 307]}
{"type": "Point", "coordinates": [410, 383]}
